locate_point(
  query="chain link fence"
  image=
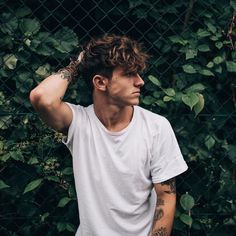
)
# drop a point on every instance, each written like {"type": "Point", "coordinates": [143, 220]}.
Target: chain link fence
{"type": "Point", "coordinates": [189, 80]}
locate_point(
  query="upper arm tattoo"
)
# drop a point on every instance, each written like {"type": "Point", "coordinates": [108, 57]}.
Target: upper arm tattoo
{"type": "Point", "coordinates": [171, 184]}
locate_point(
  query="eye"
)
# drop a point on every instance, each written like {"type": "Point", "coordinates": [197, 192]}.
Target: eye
{"type": "Point", "coordinates": [129, 74]}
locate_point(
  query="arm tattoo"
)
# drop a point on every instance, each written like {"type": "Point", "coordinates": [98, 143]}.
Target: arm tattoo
{"type": "Point", "coordinates": [65, 75]}
{"type": "Point", "coordinates": [160, 232]}
{"type": "Point", "coordinates": [159, 213]}
{"type": "Point", "coordinates": [160, 202]}
{"type": "Point", "coordinates": [171, 184]}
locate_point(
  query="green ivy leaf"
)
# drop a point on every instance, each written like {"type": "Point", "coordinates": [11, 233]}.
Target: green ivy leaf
{"type": "Point", "coordinates": [186, 219]}
{"type": "Point", "coordinates": [154, 80]}
{"type": "Point", "coordinates": [205, 72]}
{"type": "Point", "coordinates": [199, 105]}
{"type": "Point", "coordinates": [218, 69]}
{"type": "Point", "coordinates": [217, 60]}
{"type": "Point", "coordinates": [190, 99]}
{"type": "Point", "coordinates": [190, 53]}
{"type": "Point", "coordinates": [203, 48]}
{"type": "Point", "coordinates": [189, 69]}
{"type": "Point", "coordinates": [43, 71]}
{"type": "Point", "coordinates": [10, 61]}
{"type": "Point", "coordinates": [61, 226]}
{"type": "Point", "coordinates": [54, 179]}
{"type": "Point", "coordinates": [148, 100]}
{"type": "Point", "coordinates": [231, 66]}
{"type": "Point", "coordinates": [178, 39]}
{"type": "Point", "coordinates": [169, 92]}
{"type": "Point", "coordinates": [209, 142]}
{"type": "Point", "coordinates": [64, 201]}
{"type": "Point", "coordinates": [219, 44]}
{"type": "Point", "coordinates": [201, 33]}
{"type": "Point", "coordinates": [10, 24]}
{"type": "Point", "coordinates": [16, 155]}
{"type": "Point", "coordinates": [68, 171]}
{"type": "Point", "coordinates": [187, 202]}
{"type": "Point", "coordinates": [29, 26]}
{"type": "Point", "coordinates": [167, 98]}
{"type": "Point", "coordinates": [3, 185]}
{"type": "Point", "coordinates": [211, 27]}
{"type": "Point", "coordinates": [210, 64]}
{"type": "Point", "coordinates": [65, 40]}
{"type": "Point", "coordinates": [32, 185]}
{"type": "Point", "coordinates": [195, 88]}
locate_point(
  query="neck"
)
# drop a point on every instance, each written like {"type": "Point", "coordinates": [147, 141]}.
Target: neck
{"type": "Point", "coordinates": [113, 117]}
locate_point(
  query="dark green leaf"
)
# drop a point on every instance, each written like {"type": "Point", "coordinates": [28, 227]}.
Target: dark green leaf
{"type": "Point", "coordinates": [205, 72]}
{"type": "Point", "coordinates": [65, 40]}
{"type": "Point", "coordinates": [64, 201]}
{"type": "Point", "coordinates": [186, 219]}
{"type": "Point", "coordinates": [203, 33]}
{"type": "Point", "coordinates": [203, 48]}
{"type": "Point", "coordinates": [29, 26]}
{"type": "Point", "coordinates": [231, 66]}
{"type": "Point", "coordinates": [218, 60]}
{"type": "Point", "coordinates": [189, 69]}
{"type": "Point", "coordinates": [3, 185]}
{"type": "Point", "coordinates": [32, 185]}
{"type": "Point", "coordinates": [190, 99]}
{"type": "Point", "coordinates": [187, 202]}
{"type": "Point", "coordinates": [209, 142]}
{"type": "Point", "coordinates": [154, 80]}
{"type": "Point", "coordinates": [195, 88]}
{"type": "Point", "coordinates": [10, 61]}
{"type": "Point", "coordinates": [199, 105]}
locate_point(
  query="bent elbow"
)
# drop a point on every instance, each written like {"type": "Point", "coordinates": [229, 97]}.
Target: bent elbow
{"type": "Point", "coordinates": [38, 99]}
{"type": "Point", "coordinates": [35, 96]}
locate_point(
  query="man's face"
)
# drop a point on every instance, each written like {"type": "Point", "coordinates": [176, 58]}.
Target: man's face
{"type": "Point", "coordinates": [124, 89]}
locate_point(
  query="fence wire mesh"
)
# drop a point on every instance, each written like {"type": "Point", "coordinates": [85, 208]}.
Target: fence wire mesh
{"type": "Point", "coordinates": [177, 34]}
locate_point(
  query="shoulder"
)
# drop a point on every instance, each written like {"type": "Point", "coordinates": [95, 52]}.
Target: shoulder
{"type": "Point", "coordinates": [150, 116]}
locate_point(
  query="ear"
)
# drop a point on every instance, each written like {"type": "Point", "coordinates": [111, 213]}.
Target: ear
{"type": "Point", "coordinates": [100, 82]}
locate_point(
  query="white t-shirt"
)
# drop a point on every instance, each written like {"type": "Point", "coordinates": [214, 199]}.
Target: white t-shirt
{"type": "Point", "coordinates": [114, 171]}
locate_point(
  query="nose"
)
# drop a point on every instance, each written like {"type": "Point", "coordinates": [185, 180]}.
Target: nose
{"type": "Point", "coordinates": [138, 81]}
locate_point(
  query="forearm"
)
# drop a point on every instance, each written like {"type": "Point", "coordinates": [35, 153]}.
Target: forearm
{"type": "Point", "coordinates": [51, 90]}
{"type": "Point", "coordinates": [164, 215]}
{"type": "Point", "coordinates": [165, 208]}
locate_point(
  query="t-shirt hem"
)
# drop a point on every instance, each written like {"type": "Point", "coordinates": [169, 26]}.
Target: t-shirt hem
{"type": "Point", "coordinates": [172, 175]}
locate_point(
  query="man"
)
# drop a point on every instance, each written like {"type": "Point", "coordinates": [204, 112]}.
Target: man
{"type": "Point", "coordinates": [120, 151]}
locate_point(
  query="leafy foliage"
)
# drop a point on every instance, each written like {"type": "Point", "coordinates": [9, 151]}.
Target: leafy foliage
{"type": "Point", "coordinates": [192, 83]}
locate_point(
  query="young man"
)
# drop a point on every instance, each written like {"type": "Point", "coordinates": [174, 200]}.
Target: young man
{"type": "Point", "coordinates": [120, 151]}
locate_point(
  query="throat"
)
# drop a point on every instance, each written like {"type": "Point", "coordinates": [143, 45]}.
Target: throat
{"type": "Point", "coordinates": [115, 120]}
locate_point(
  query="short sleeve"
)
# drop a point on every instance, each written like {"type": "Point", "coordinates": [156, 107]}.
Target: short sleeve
{"type": "Point", "coordinates": [68, 140]}
{"type": "Point", "coordinates": [167, 160]}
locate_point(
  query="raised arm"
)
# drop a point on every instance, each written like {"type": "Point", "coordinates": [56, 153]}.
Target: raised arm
{"type": "Point", "coordinates": [165, 208]}
{"type": "Point", "coordinates": [47, 97]}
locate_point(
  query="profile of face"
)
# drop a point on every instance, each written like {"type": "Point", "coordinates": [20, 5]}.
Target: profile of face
{"type": "Point", "coordinates": [123, 89]}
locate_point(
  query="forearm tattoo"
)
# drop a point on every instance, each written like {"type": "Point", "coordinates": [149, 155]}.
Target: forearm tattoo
{"type": "Point", "coordinates": [160, 202]}
{"type": "Point", "coordinates": [171, 184]}
{"type": "Point", "coordinates": [160, 232]}
{"type": "Point", "coordinates": [159, 213]}
{"type": "Point", "coordinates": [64, 74]}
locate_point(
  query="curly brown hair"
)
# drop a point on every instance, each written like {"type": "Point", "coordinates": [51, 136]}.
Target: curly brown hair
{"type": "Point", "coordinates": [102, 55]}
